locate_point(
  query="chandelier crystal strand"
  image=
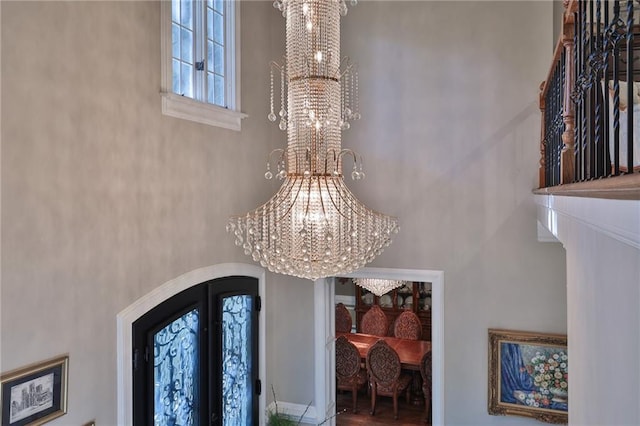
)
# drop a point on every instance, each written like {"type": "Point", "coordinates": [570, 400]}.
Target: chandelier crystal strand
{"type": "Point", "coordinates": [313, 226]}
{"type": "Point", "coordinates": [356, 95]}
{"type": "Point", "coordinates": [283, 112]}
{"type": "Point", "coordinates": [272, 115]}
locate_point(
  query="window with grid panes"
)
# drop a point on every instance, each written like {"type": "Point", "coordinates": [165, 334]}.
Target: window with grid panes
{"type": "Point", "coordinates": [200, 61]}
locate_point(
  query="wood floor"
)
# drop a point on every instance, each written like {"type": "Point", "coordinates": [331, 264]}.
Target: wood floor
{"type": "Point", "coordinates": [408, 414]}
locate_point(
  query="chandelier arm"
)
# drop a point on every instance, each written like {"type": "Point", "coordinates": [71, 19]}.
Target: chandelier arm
{"type": "Point", "coordinates": [280, 151]}
{"type": "Point", "coordinates": [277, 150]}
{"type": "Point", "coordinates": [333, 201]}
{"type": "Point", "coordinates": [337, 159]}
{"type": "Point", "coordinates": [355, 156]}
{"type": "Point", "coordinates": [351, 200]}
{"type": "Point", "coordinates": [350, 152]}
{"type": "Point", "coordinates": [324, 211]}
{"type": "Point", "coordinates": [281, 196]}
{"type": "Point", "coordinates": [294, 182]}
{"type": "Point", "coordinates": [327, 159]}
{"type": "Point", "coordinates": [306, 210]}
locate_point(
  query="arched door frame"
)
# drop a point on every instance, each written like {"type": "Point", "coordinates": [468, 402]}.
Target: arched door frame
{"type": "Point", "coordinates": [324, 302]}
{"type": "Point", "coordinates": [127, 316]}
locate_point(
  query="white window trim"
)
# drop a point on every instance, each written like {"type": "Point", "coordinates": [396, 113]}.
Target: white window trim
{"type": "Point", "coordinates": [178, 106]}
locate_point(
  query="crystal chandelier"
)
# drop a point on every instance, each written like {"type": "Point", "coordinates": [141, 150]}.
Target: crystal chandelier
{"type": "Point", "coordinates": [313, 226]}
{"type": "Point", "coordinates": [378, 286]}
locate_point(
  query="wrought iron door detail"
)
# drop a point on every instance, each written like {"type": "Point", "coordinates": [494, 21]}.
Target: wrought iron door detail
{"type": "Point", "coordinates": [237, 336]}
{"type": "Point", "coordinates": [175, 367]}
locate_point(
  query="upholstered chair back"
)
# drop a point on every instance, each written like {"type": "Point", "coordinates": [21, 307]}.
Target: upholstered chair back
{"type": "Point", "coordinates": [343, 319]}
{"type": "Point", "coordinates": [375, 322]}
{"type": "Point", "coordinates": [407, 326]}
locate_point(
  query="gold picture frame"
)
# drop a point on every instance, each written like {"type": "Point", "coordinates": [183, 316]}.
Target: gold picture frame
{"type": "Point", "coordinates": [35, 394]}
{"type": "Point", "coordinates": [528, 375]}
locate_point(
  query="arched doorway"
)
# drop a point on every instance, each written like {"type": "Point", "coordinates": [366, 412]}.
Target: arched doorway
{"type": "Point", "coordinates": [147, 303]}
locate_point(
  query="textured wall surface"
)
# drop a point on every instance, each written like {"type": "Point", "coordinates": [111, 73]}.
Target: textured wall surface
{"type": "Point", "coordinates": [104, 199]}
{"type": "Point", "coordinates": [449, 136]}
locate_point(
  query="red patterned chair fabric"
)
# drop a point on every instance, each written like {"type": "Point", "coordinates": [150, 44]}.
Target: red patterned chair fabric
{"type": "Point", "coordinates": [349, 374]}
{"type": "Point", "coordinates": [385, 375]}
{"type": "Point", "coordinates": [374, 322]}
{"type": "Point", "coordinates": [425, 372]}
{"type": "Point", "coordinates": [407, 326]}
{"type": "Point", "coordinates": [343, 319]}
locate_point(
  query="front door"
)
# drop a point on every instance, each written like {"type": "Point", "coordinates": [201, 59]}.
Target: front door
{"type": "Point", "coordinates": [195, 357]}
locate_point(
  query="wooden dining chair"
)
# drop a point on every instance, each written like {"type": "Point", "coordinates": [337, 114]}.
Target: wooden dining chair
{"type": "Point", "coordinates": [349, 374]}
{"type": "Point", "coordinates": [375, 322]}
{"type": "Point", "coordinates": [407, 326]}
{"type": "Point", "coordinates": [425, 372]}
{"type": "Point", "coordinates": [343, 319]}
{"type": "Point", "coordinates": [385, 375]}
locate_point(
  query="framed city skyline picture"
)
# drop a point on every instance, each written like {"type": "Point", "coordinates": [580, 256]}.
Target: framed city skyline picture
{"type": "Point", "coordinates": [35, 394]}
{"type": "Point", "coordinates": [528, 375]}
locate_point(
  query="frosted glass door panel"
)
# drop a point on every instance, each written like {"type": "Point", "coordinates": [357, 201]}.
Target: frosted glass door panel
{"type": "Point", "coordinates": [175, 371]}
{"type": "Point", "coordinates": [237, 386]}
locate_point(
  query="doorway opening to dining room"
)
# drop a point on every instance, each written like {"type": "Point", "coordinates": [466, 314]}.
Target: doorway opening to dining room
{"type": "Point", "coordinates": [422, 292]}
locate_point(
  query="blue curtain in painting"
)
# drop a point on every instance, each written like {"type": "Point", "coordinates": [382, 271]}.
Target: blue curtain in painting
{"type": "Point", "coordinates": [514, 374]}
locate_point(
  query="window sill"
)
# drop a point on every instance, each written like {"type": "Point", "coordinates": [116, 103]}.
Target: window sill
{"type": "Point", "coordinates": [186, 108]}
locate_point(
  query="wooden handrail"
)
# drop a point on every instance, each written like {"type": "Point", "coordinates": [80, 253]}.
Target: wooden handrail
{"type": "Point", "coordinates": [570, 7]}
{"type": "Point", "coordinates": [626, 187]}
{"type": "Point", "coordinates": [556, 57]}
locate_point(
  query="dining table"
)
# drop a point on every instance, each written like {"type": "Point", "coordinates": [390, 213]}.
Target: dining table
{"type": "Point", "coordinates": [410, 352]}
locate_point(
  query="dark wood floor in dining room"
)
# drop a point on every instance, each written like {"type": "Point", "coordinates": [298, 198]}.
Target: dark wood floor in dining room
{"type": "Point", "coordinates": [408, 414]}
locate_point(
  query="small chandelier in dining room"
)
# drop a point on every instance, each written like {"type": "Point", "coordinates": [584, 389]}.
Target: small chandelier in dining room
{"type": "Point", "coordinates": [378, 286]}
{"type": "Point", "coordinates": [313, 226]}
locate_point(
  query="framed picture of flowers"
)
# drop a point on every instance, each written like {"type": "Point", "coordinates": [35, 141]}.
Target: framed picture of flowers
{"type": "Point", "coordinates": [528, 375]}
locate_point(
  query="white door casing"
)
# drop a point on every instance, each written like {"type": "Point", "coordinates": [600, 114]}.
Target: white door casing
{"type": "Point", "coordinates": [324, 312]}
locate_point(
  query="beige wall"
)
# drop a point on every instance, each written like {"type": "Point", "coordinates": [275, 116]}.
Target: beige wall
{"type": "Point", "coordinates": [558, 11]}
{"type": "Point", "coordinates": [104, 199]}
{"type": "Point", "coordinates": [449, 137]}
